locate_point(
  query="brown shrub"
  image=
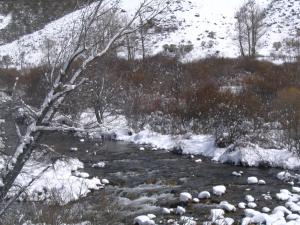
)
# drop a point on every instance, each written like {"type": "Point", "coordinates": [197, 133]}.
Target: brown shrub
{"type": "Point", "coordinates": [287, 104]}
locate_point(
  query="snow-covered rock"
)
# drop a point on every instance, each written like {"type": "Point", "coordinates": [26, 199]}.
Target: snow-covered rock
{"type": "Point", "coordinates": [227, 206]}
{"type": "Point", "coordinates": [219, 190]}
{"type": "Point", "coordinates": [252, 205]}
{"type": "Point", "coordinates": [242, 205]}
{"type": "Point", "coordinates": [180, 210]}
{"type": "Point", "coordinates": [293, 206]}
{"type": "Point", "coordinates": [284, 195]}
{"type": "Point", "coordinates": [293, 217]}
{"type": "Point", "coordinates": [185, 197]}
{"type": "Point", "coordinates": [254, 155]}
{"type": "Point", "coordinates": [166, 211]}
{"type": "Point", "coordinates": [204, 195]}
{"type": "Point", "coordinates": [261, 182]}
{"type": "Point", "coordinates": [252, 180]}
{"type": "Point", "coordinates": [267, 196]}
{"type": "Point", "coordinates": [249, 198]}
{"type": "Point", "coordinates": [284, 176]}
{"type": "Point", "coordinates": [143, 220]}
{"type": "Point", "coordinates": [216, 214]}
{"type": "Point", "coordinates": [105, 181]}
{"type": "Point", "coordinates": [237, 174]}
{"type": "Point", "coordinates": [151, 216]}
{"type": "Point", "coordinates": [99, 165]}
{"type": "Point", "coordinates": [187, 220]}
{"type": "Point", "coordinates": [196, 200]}
{"type": "Point", "coordinates": [74, 149]}
{"type": "Point", "coordinates": [266, 210]}
{"type": "Point", "coordinates": [256, 217]}
{"type": "Point", "coordinates": [296, 189]}
{"type": "Point", "coordinates": [81, 174]}
{"type": "Point", "coordinates": [250, 212]}
{"type": "Point", "coordinates": [225, 221]}
{"type": "Point", "coordinates": [281, 209]}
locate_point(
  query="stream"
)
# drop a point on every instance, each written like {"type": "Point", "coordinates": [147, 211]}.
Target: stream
{"type": "Point", "coordinates": [142, 182]}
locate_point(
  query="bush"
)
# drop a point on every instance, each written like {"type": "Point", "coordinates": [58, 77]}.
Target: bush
{"type": "Point", "coordinates": [287, 104]}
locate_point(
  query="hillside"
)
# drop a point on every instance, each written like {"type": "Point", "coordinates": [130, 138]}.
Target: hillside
{"type": "Point", "coordinates": [206, 25]}
{"type": "Point", "coordinates": [28, 16]}
{"type": "Point", "coordinates": [116, 113]}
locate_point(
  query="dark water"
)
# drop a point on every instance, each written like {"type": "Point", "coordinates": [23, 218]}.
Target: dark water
{"type": "Point", "coordinates": [143, 181]}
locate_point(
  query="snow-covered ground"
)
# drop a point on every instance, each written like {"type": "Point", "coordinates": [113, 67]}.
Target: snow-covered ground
{"type": "Point", "coordinates": [208, 25]}
{"type": "Point", "coordinates": [61, 183]}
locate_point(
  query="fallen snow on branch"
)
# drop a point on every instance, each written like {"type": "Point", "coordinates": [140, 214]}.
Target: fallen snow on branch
{"type": "Point", "coordinates": [61, 183]}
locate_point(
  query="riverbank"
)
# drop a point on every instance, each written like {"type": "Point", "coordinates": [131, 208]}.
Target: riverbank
{"type": "Point", "coordinates": [246, 154]}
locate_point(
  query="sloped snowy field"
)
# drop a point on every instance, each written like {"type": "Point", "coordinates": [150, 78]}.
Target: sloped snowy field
{"type": "Point", "coordinates": [194, 20]}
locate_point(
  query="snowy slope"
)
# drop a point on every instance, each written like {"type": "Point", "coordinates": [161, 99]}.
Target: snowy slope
{"type": "Point", "coordinates": [206, 24]}
{"type": "Point", "coordinates": [283, 22]}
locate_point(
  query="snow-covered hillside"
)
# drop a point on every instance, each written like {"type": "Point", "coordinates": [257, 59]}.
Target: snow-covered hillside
{"type": "Point", "coordinates": [207, 25]}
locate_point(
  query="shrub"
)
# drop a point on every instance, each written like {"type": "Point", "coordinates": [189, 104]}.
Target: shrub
{"type": "Point", "coordinates": [288, 107]}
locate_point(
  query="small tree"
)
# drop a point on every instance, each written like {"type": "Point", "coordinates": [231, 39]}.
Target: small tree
{"type": "Point", "coordinates": [250, 26]}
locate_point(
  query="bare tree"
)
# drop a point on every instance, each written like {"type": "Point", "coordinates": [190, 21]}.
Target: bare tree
{"type": "Point", "coordinates": [250, 26]}
{"type": "Point", "coordinates": [136, 42]}
{"type": "Point", "coordinates": [131, 44]}
{"type": "Point", "coordinates": [142, 32]}
{"type": "Point", "coordinates": [67, 75]}
{"type": "Point", "coordinates": [107, 93]}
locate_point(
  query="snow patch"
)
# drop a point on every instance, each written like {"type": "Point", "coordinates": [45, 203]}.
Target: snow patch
{"type": "Point", "coordinates": [61, 181]}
